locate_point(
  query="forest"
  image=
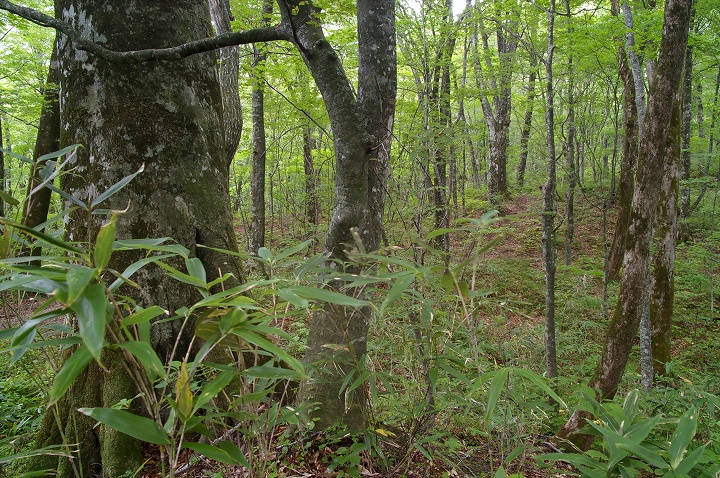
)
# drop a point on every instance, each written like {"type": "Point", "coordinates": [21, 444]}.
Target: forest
{"type": "Point", "coordinates": [382, 238]}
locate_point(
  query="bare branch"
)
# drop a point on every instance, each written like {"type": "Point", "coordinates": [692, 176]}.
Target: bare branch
{"type": "Point", "coordinates": [279, 32]}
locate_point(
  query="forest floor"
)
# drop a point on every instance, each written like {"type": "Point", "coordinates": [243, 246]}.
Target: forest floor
{"type": "Point", "coordinates": [441, 426]}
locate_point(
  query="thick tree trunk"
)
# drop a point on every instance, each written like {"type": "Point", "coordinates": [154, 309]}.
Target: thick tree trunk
{"type": "Point", "coordinates": [168, 117]}
{"type": "Point", "coordinates": [37, 204]}
{"type": "Point", "coordinates": [653, 163]}
{"type": "Point", "coordinates": [663, 262]}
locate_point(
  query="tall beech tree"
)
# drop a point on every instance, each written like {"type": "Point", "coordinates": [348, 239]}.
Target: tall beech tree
{"type": "Point", "coordinates": [495, 83]}
{"type": "Point", "coordinates": [655, 162]}
{"type": "Point", "coordinates": [99, 51]}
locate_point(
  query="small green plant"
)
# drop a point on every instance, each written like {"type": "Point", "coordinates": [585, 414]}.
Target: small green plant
{"type": "Point", "coordinates": [632, 443]}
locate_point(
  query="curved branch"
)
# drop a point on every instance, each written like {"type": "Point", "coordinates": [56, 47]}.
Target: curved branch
{"type": "Point", "coordinates": [278, 32]}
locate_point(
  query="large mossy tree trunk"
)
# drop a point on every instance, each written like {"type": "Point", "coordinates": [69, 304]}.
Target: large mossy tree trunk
{"type": "Point", "coordinates": [653, 163]}
{"type": "Point", "coordinates": [166, 117]}
{"type": "Point", "coordinates": [338, 335]}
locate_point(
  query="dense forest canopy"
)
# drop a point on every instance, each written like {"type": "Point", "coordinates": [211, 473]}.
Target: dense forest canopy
{"type": "Point", "coordinates": [425, 223]}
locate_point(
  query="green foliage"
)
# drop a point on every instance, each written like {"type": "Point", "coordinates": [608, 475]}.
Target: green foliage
{"type": "Point", "coordinates": [632, 443]}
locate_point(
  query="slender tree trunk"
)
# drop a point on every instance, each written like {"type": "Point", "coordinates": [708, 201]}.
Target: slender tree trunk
{"type": "Point", "coordinates": [311, 200]}
{"type": "Point", "coordinates": [571, 171]}
{"type": "Point", "coordinates": [527, 124]}
{"type": "Point", "coordinates": [549, 247]}
{"type": "Point", "coordinates": [37, 203]}
{"type": "Point", "coordinates": [2, 169]}
{"type": "Point", "coordinates": [684, 228]}
{"type": "Point", "coordinates": [653, 163]}
{"type": "Point", "coordinates": [259, 148]}
{"type": "Point", "coordinates": [626, 183]}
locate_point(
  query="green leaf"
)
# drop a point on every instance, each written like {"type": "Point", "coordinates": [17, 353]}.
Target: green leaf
{"type": "Point", "coordinates": [500, 472]}
{"type": "Point", "coordinates": [196, 269]}
{"type": "Point", "coordinates": [116, 187]}
{"type": "Point", "coordinates": [682, 437]}
{"type": "Point", "coordinates": [66, 246]}
{"type": "Point", "coordinates": [271, 372]}
{"type": "Point", "coordinates": [72, 367]}
{"type": "Point", "coordinates": [134, 267]}
{"type": "Point", "coordinates": [399, 286]}
{"type": "Point", "coordinates": [498, 384]}
{"type": "Point", "coordinates": [130, 424]}
{"type": "Point", "coordinates": [216, 453]}
{"type": "Point", "coordinates": [293, 298]}
{"type": "Point", "coordinates": [147, 357]}
{"type": "Point", "coordinates": [152, 245]}
{"type": "Point", "coordinates": [326, 296]}
{"type": "Point", "coordinates": [685, 466]}
{"type": "Point", "coordinates": [647, 455]}
{"type": "Point", "coordinates": [104, 243]}
{"type": "Point", "coordinates": [8, 198]}
{"type": "Point", "coordinates": [142, 316]}
{"type": "Point", "coordinates": [212, 388]}
{"type": "Point", "coordinates": [265, 254]}
{"type": "Point", "coordinates": [91, 309]}
{"type": "Point", "coordinates": [78, 279]}
{"type": "Point", "coordinates": [52, 450]}
{"type": "Point", "coordinates": [266, 344]}
{"type": "Point", "coordinates": [182, 277]}
{"type": "Point", "coordinates": [292, 250]}
{"type": "Point", "coordinates": [58, 153]}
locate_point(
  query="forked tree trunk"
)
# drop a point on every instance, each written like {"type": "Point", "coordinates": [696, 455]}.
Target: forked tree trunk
{"type": "Point", "coordinates": [338, 335]}
{"type": "Point", "coordinates": [654, 163]}
{"type": "Point", "coordinates": [168, 117]}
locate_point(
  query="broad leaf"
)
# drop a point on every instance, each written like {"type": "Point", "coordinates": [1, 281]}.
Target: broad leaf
{"type": "Point", "coordinates": [72, 367]}
{"type": "Point", "coordinates": [130, 424]}
{"type": "Point", "coordinates": [682, 436]}
{"type": "Point", "coordinates": [104, 243]}
{"type": "Point", "coordinates": [147, 357]}
{"type": "Point", "coordinates": [91, 309]}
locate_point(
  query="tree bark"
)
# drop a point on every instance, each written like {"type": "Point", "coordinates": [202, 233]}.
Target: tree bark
{"type": "Point", "coordinates": [228, 70]}
{"type": "Point", "coordinates": [497, 111]}
{"type": "Point", "coordinates": [168, 117]}
{"type": "Point", "coordinates": [653, 163]}
{"type": "Point", "coordinates": [338, 335]}
{"type": "Point", "coordinates": [259, 148]}
{"type": "Point", "coordinates": [683, 226]}
{"type": "Point", "coordinates": [549, 246]}
{"type": "Point", "coordinates": [626, 183]}
{"type": "Point", "coordinates": [311, 199]}
{"type": "Point", "coordinates": [2, 169]}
